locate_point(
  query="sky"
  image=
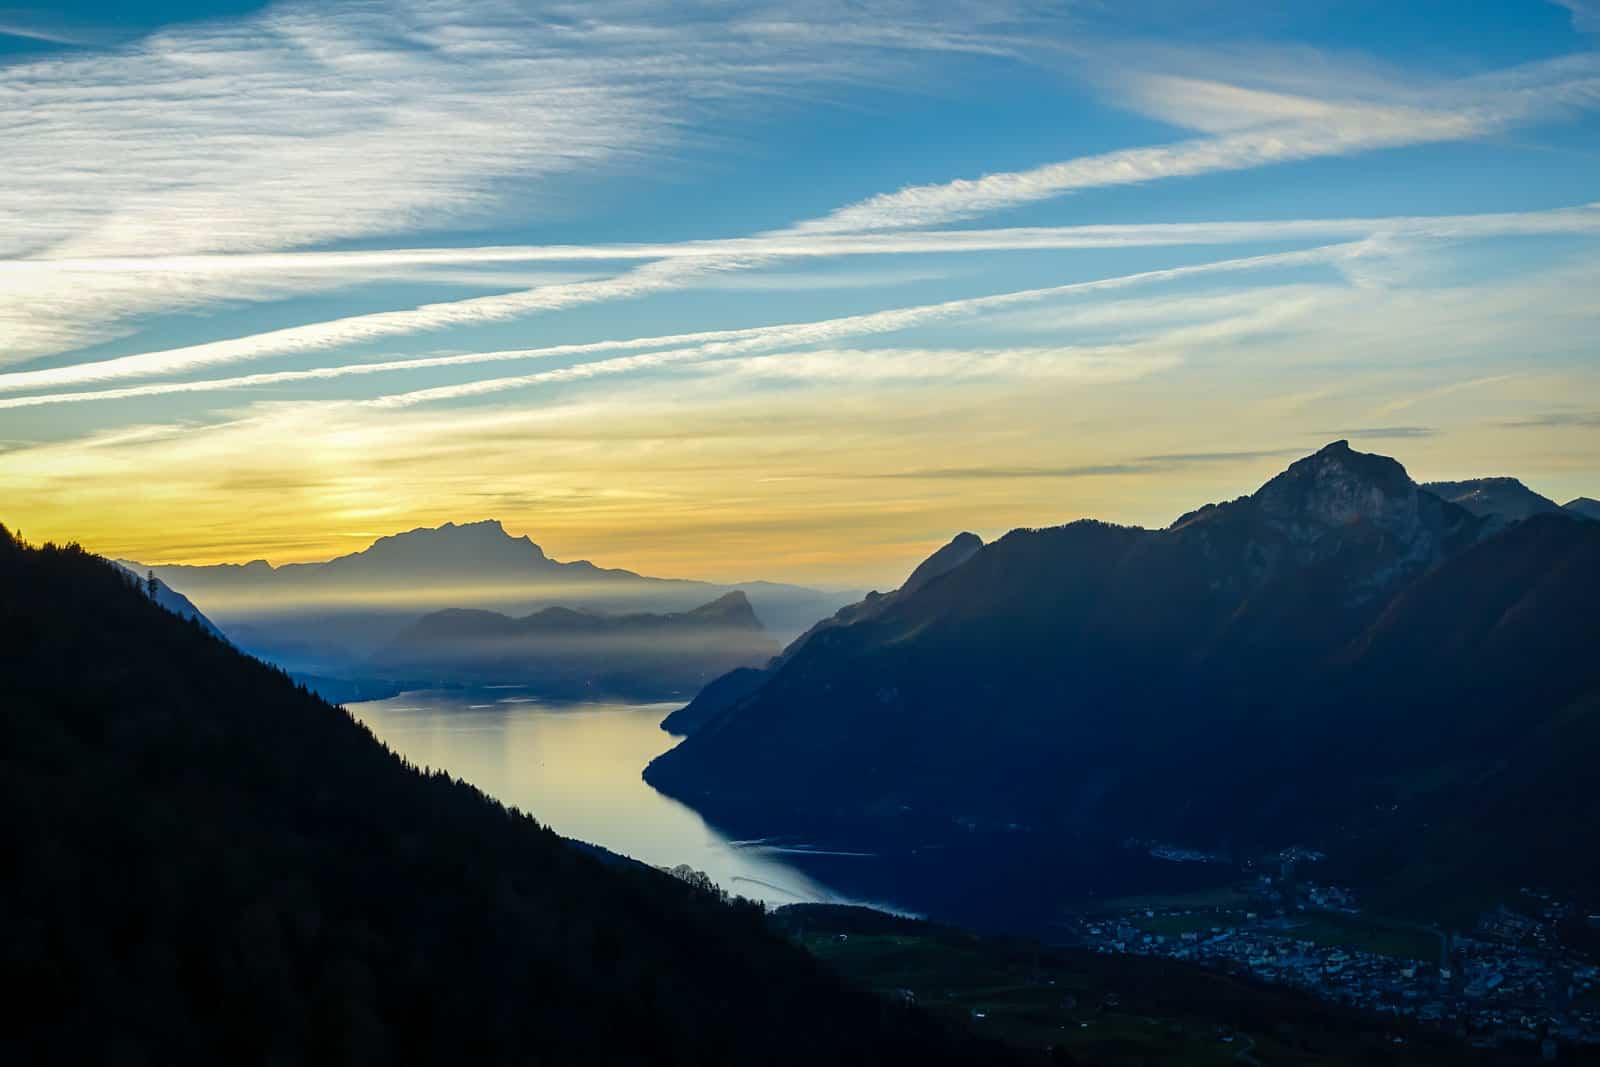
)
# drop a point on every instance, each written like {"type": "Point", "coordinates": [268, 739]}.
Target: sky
{"type": "Point", "coordinates": [791, 291]}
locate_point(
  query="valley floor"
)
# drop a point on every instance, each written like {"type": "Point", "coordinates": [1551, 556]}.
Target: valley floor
{"type": "Point", "coordinates": [1081, 1006]}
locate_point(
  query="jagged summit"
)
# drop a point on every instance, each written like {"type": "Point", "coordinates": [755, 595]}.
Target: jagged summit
{"type": "Point", "coordinates": [485, 534]}
{"type": "Point", "coordinates": [1324, 504]}
{"type": "Point", "coordinates": [730, 611]}
{"type": "Point", "coordinates": [732, 606]}
{"type": "Point", "coordinates": [1338, 486]}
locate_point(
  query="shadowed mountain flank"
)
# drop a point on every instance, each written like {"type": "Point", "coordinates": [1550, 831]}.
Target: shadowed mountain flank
{"type": "Point", "coordinates": [729, 689]}
{"type": "Point", "coordinates": [1277, 668]}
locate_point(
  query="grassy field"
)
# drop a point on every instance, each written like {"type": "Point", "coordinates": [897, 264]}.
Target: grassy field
{"type": "Point", "coordinates": [1368, 934]}
{"type": "Point", "coordinates": [1220, 898]}
{"type": "Point", "coordinates": [1073, 1006]}
{"type": "Point", "coordinates": [1200, 913]}
{"type": "Point", "coordinates": [1197, 922]}
{"type": "Point", "coordinates": [1039, 1008]}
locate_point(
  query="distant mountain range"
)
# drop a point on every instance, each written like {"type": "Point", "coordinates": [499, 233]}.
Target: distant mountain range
{"type": "Point", "coordinates": [581, 654]}
{"type": "Point", "coordinates": [1343, 657]}
{"type": "Point", "coordinates": [1508, 498]}
{"type": "Point", "coordinates": [330, 619]}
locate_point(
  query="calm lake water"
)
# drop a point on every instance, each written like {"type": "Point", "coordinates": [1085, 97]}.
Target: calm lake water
{"type": "Point", "coordinates": [575, 768]}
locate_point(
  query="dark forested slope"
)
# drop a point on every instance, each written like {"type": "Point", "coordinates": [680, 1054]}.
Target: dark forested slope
{"type": "Point", "coordinates": [1341, 657]}
{"type": "Point", "coordinates": [201, 863]}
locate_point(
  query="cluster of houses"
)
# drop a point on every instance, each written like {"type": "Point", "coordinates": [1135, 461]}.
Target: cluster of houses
{"type": "Point", "coordinates": [1511, 983]}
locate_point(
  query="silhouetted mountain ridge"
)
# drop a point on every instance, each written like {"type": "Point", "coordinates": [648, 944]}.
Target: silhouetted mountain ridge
{"type": "Point", "coordinates": [330, 618]}
{"type": "Point", "coordinates": [571, 653]}
{"type": "Point", "coordinates": [960, 548]}
{"type": "Point", "coordinates": [1584, 507]}
{"type": "Point", "coordinates": [1506, 498]}
{"type": "Point", "coordinates": [1224, 682]}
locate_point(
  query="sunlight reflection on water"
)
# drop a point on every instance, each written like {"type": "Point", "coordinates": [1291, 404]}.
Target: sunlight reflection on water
{"type": "Point", "coordinates": [576, 768]}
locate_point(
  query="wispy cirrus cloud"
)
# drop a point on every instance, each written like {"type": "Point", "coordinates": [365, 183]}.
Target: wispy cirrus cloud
{"type": "Point", "coordinates": [1378, 433]}
{"type": "Point", "coordinates": [399, 117]}
{"type": "Point", "coordinates": [716, 350]}
{"type": "Point", "coordinates": [878, 322]}
{"type": "Point", "coordinates": [368, 327]}
{"type": "Point", "coordinates": [9, 28]}
{"type": "Point", "coordinates": [1566, 418]}
{"type": "Point", "coordinates": [1405, 402]}
{"type": "Point", "coordinates": [38, 286]}
{"type": "Point", "coordinates": [410, 130]}
{"type": "Point", "coordinates": [1247, 127]}
{"type": "Point", "coordinates": [1585, 14]}
{"type": "Point", "coordinates": [1139, 465]}
{"type": "Point", "coordinates": [932, 205]}
{"type": "Point", "coordinates": [1096, 365]}
{"type": "Point", "coordinates": [308, 123]}
{"type": "Point", "coordinates": [377, 264]}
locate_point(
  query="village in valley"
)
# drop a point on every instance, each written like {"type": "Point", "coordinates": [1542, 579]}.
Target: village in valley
{"type": "Point", "coordinates": [1510, 980]}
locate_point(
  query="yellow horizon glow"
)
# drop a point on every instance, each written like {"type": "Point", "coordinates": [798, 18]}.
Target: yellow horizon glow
{"type": "Point", "coordinates": [823, 486]}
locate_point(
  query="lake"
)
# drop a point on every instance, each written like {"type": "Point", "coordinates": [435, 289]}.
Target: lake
{"type": "Point", "coordinates": [575, 768]}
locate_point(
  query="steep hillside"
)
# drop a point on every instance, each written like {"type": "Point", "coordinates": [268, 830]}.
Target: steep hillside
{"type": "Point", "coordinates": [169, 598]}
{"type": "Point", "coordinates": [202, 864]}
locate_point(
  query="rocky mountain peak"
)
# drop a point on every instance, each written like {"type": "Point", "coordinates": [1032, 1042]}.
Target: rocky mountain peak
{"type": "Point", "coordinates": [1338, 486]}
{"type": "Point", "coordinates": [730, 609]}
{"type": "Point", "coordinates": [474, 539]}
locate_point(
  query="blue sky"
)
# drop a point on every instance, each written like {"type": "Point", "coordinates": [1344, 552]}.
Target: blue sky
{"type": "Point", "coordinates": [728, 289]}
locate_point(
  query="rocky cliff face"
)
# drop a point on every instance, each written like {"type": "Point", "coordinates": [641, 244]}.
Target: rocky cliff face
{"type": "Point", "coordinates": [1338, 487]}
{"type": "Point", "coordinates": [1356, 519]}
